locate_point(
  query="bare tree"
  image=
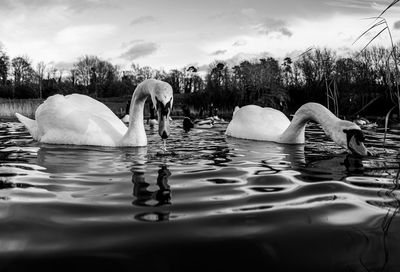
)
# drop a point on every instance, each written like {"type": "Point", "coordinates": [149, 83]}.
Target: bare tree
{"type": "Point", "coordinates": [4, 66]}
{"type": "Point", "coordinates": [22, 70]}
{"type": "Point", "coordinates": [175, 78]}
{"type": "Point", "coordinates": [40, 70]}
{"type": "Point", "coordinates": [83, 68]}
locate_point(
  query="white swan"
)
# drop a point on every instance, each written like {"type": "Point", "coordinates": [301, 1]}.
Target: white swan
{"type": "Point", "coordinates": [125, 119]}
{"type": "Point", "coordinates": [80, 120]}
{"type": "Point", "coordinates": [267, 124]}
{"type": "Point", "coordinates": [152, 122]}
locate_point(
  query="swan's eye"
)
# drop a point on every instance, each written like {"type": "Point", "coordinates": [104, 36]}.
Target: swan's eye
{"type": "Point", "coordinates": [164, 109]}
{"type": "Point", "coordinates": [356, 133]}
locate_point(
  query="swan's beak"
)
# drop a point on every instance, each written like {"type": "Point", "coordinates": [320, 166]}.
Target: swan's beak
{"type": "Point", "coordinates": [163, 125]}
{"type": "Point", "coordinates": [163, 118]}
{"type": "Point", "coordinates": [357, 147]}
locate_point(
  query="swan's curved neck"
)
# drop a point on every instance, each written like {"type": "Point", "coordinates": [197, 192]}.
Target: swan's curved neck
{"type": "Point", "coordinates": [310, 111]}
{"type": "Point", "coordinates": [136, 134]}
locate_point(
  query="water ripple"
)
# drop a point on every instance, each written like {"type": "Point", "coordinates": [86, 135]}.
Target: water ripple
{"type": "Point", "coordinates": [206, 188]}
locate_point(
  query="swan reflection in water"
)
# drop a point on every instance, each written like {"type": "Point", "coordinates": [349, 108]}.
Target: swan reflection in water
{"type": "Point", "coordinates": [103, 176]}
{"type": "Point", "coordinates": [319, 164]}
{"type": "Point", "coordinates": [323, 164]}
{"type": "Point", "coordinates": [147, 198]}
{"type": "Point", "coordinates": [144, 196]}
{"type": "Point", "coordinates": [268, 153]}
{"type": "Point", "coordinates": [82, 160]}
{"type": "Point", "coordinates": [100, 165]}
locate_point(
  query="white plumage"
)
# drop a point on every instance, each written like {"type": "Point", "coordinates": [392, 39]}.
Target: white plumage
{"type": "Point", "coordinates": [81, 120]}
{"type": "Point", "coordinates": [75, 119]}
{"type": "Point", "coordinates": [257, 123]}
{"type": "Point", "coordinates": [267, 124]}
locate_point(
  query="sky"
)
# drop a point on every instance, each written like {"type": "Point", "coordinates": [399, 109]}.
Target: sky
{"type": "Point", "coordinates": [172, 34]}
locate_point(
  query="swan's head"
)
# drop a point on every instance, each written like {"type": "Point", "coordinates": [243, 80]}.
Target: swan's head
{"type": "Point", "coordinates": [350, 136]}
{"type": "Point", "coordinates": [162, 97]}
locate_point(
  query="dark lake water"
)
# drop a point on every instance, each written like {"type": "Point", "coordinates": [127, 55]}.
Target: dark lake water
{"type": "Point", "coordinates": [214, 204]}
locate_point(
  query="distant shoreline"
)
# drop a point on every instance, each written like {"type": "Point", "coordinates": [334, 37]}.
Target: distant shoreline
{"type": "Point", "coordinates": [27, 107]}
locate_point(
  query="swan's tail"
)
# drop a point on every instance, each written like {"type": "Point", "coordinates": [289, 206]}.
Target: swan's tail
{"type": "Point", "coordinates": [30, 124]}
{"type": "Point", "coordinates": [235, 110]}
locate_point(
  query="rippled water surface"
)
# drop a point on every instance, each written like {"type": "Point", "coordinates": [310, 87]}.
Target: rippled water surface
{"type": "Point", "coordinates": [211, 203]}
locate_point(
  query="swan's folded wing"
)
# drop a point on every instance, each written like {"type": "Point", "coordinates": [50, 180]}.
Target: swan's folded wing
{"type": "Point", "coordinates": [88, 104]}
{"type": "Point", "coordinates": [78, 119]}
{"type": "Point", "coordinates": [257, 123]}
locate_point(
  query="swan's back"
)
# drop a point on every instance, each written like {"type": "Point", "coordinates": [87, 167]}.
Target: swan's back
{"type": "Point", "coordinates": [78, 119]}
{"type": "Point", "coordinates": [257, 123]}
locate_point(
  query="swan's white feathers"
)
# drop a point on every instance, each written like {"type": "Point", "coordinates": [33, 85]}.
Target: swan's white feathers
{"type": "Point", "coordinates": [125, 119]}
{"type": "Point", "coordinates": [235, 110]}
{"type": "Point", "coordinates": [78, 119]}
{"type": "Point", "coordinates": [163, 92]}
{"type": "Point", "coordinates": [81, 120]}
{"type": "Point", "coordinates": [30, 124]}
{"type": "Point", "coordinates": [266, 124]}
{"type": "Point", "coordinates": [153, 122]}
{"type": "Point", "coordinates": [257, 123]}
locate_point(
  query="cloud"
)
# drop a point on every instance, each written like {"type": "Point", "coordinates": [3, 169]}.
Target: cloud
{"type": "Point", "coordinates": [352, 4]}
{"type": "Point", "coordinates": [62, 65]}
{"type": "Point", "coordinates": [240, 57]}
{"type": "Point", "coordinates": [126, 44]}
{"type": "Point", "coordinates": [219, 15]}
{"type": "Point", "coordinates": [81, 33]}
{"type": "Point", "coordinates": [79, 5]}
{"type": "Point", "coordinates": [240, 43]}
{"type": "Point", "coordinates": [396, 25]}
{"type": "Point", "coordinates": [73, 5]}
{"type": "Point", "coordinates": [203, 67]}
{"type": "Point", "coordinates": [249, 12]}
{"type": "Point", "coordinates": [218, 52]}
{"type": "Point", "coordinates": [254, 10]}
{"type": "Point", "coordinates": [6, 4]}
{"type": "Point", "coordinates": [143, 20]}
{"type": "Point", "coordinates": [139, 50]}
{"type": "Point", "coordinates": [271, 25]}
{"type": "Point", "coordinates": [237, 59]}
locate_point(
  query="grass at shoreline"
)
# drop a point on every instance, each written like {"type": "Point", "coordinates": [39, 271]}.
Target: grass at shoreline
{"type": "Point", "coordinates": [26, 107]}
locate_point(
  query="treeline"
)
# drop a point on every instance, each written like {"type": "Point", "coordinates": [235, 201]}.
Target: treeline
{"type": "Point", "coordinates": [362, 83]}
